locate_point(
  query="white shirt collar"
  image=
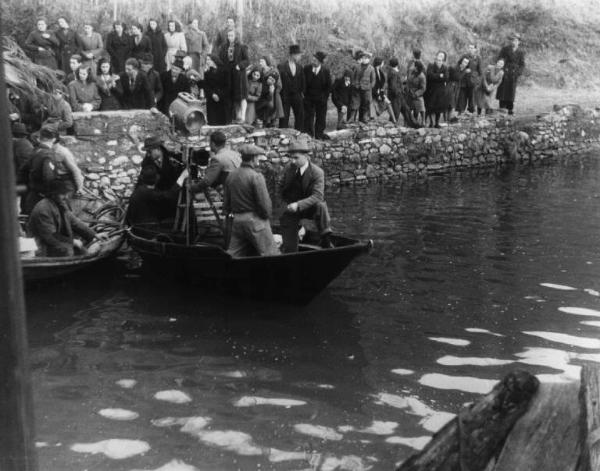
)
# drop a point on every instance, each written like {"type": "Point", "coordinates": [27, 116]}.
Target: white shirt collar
{"type": "Point", "coordinates": [303, 168]}
{"type": "Point", "coordinates": [316, 69]}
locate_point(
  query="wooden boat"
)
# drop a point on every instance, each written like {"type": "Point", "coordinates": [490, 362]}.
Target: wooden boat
{"type": "Point", "coordinates": [104, 217]}
{"type": "Point", "coordinates": [294, 278]}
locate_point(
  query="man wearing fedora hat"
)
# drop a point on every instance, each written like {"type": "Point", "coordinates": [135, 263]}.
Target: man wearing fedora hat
{"type": "Point", "coordinates": [174, 81]}
{"type": "Point", "coordinates": [247, 199]}
{"type": "Point", "coordinates": [54, 226]}
{"type": "Point", "coordinates": [514, 64]}
{"type": "Point", "coordinates": [292, 89]}
{"type": "Point", "coordinates": [318, 87]}
{"type": "Point", "coordinates": [302, 190]}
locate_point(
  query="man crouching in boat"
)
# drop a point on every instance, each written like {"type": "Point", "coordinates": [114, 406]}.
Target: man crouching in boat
{"type": "Point", "coordinates": [302, 189]}
{"type": "Point", "coordinates": [247, 198]}
{"type": "Point", "coordinates": [53, 225]}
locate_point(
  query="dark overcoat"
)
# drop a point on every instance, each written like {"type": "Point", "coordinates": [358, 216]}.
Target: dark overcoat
{"type": "Point", "coordinates": [239, 80]}
{"type": "Point", "coordinates": [119, 50]}
{"type": "Point", "coordinates": [436, 96]}
{"type": "Point", "coordinates": [159, 48]}
{"type": "Point", "coordinates": [69, 44]}
{"type": "Point", "coordinates": [514, 64]}
{"type": "Point", "coordinates": [138, 97]}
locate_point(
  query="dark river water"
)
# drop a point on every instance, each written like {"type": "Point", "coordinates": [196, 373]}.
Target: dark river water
{"type": "Point", "coordinates": [472, 275]}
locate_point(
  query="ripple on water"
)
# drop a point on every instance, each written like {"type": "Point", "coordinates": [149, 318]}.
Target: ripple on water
{"type": "Point", "coordinates": [451, 341]}
{"type": "Point", "coordinates": [417, 443]}
{"type": "Point", "coordinates": [450, 360]}
{"type": "Point", "coordinates": [318, 431]}
{"type": "Point", "coordinates": [114, 448]}
{"type": "Point", "coordinates": [461, 383]}
{"type": "Point", "coordinates": [580, 311]}
{"type": "Point", "coordinates": [173, 465]}
{"type": "Point", "coordinates": [591, 323]}
{"type": "Point", "coordinates": [558, 287]}
{"type": "Point", "coordinates": [403, 371]}
{"type": "Point", "coordinates": [583, 342]}
{"type": "Point", "coordinates": [250, 401]}
{"type": "Point", "coordinates": [126, 383]}
{"type": "Point", "coordinates": [476, 330]}
{"type": "Point", "coordinates": [431, 421]}
{"type": "Point", "coordinates": [119, 414]}
{"type": "Point", "coordinates": [174, 396]}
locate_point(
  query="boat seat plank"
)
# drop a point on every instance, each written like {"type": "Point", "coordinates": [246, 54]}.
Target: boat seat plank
{"type": "Point", "coordinates": [590, 418]}
{"type": "Point", "coordinates": [547, 436]}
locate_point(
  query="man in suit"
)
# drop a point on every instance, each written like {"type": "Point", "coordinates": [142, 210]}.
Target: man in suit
{"type": "Point", "coordinates": [292, 89]}
{"type": "Point", "coordinates": [173, 82]}
{"type": "Point", "coordinates": [514, 65]}
{"type": "Point", "coordinates": [318, 86]}
{"type": "Point", "coordinates": [137, 93]}
{"type": "Point", "coordinates": [302, 190]}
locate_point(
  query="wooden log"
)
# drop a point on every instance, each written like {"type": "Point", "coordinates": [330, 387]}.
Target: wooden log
{"type": "Point", "coordinates": [589, 400]}
{"type": "Point", "coordinates": [547, 436]}
{"type": "Point", "coordinates": [473, 438]}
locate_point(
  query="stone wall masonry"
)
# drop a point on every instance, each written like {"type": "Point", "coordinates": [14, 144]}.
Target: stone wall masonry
{"type": "Point", "coordinates": [108, 145]}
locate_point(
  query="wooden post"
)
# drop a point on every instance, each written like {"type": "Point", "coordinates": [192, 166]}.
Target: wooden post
{"type": "Point", "coordinates": [470, 441]}
{"type": "Point", "coordinates": [17, 451]}
{"type": "Point", "coordinates": [589, 399]}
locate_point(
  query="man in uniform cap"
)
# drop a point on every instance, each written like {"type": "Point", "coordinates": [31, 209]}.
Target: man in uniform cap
{"type": "Point", "coordinates": [247, 199]}
{"type": "Point", "coordinates": [54, 226]}
{"type": "Point", "coordinates": [318, 87]}
{"type": "Point", "coordinates": [292, 89]}
{"type": "Point", "coordinates": [303, 190]}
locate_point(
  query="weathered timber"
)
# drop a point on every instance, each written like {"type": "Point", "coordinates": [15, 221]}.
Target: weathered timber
{"type": "Point", "coordinates": [547, 436]}
{"type": "Point", "coordinates": [471, 440]}
{"type": "Point", "coordinates": [589, 400]}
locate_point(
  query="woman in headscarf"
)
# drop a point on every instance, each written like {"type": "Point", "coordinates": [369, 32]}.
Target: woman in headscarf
{"type": "Point", "coordinates": [175, 41]}
{"type": "Point", "coordinates": [217, 90]}
{"type": "Point", "coordinates": [235, 57]}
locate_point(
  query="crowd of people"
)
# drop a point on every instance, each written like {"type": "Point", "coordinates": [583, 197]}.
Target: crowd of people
{"type": "Point", "coordinates": [136, 67]}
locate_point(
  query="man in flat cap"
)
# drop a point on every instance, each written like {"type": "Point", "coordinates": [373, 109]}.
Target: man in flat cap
{"type": "Point", "coordinates": [318, 87]}
{"type": "Point", "coordinates": [302, 190]}
{"type": "Point", "coordinates": [292, 89]}
{"type": "Point", "coordinates": [247, 199]}
{"type": "Point", "coordinates": [514, 64]}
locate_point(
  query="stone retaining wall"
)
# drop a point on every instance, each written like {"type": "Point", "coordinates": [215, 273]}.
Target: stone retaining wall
{"type": "Point", "coordinates": [108, 145]}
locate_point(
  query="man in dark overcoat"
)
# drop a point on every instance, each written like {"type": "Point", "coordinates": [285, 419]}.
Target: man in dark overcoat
{"type": "Point", "coordinates": [234, 55]}
{"type": "Point", "coordinates": [302, 190]}
{"type": "Point", "coordinates": [173, 82]}
{"type": "Point", "coordinates": [292, 89]}
{"type": "Point", "coordinates": [137, 93]}
{"type": "Point", "coordinates": [318, 86]}
{"type": "Point", "coordinates": [514, 64]}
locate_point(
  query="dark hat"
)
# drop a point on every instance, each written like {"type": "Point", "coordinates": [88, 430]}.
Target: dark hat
{"type": "Point", "coordinates": [320, 56]}
{"type": "Point", "coordinates": [178, 63]}
{"type": "Point", "coordinates": [295, 49]}
{"type": "Point", "coordinates": [251, 149]}
{"type": "Point", "coordinates": [49, 130]}
{"type": "Point", "coordinates": [152, 142]}
{"type": "Point", "coordinates": [299, 146]}
{"type": "Point", "coordinates": [514, 36]}
{"type": "Point", "coordinates": [58, 187]}
{"type": "Point", "coordinates": [147, 58]}
{"type": "Point", "coordinates": [358, 55]}
{"type": "Point", "coordinates": [19, 129]}
{"type": "Point", "coordinates": [394, 62]}
{"type": "Point", "coordinates": [377, 62]}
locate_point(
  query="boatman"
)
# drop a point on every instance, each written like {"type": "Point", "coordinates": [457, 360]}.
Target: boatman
{"type": "Point", "coordinates": [302, 190]}
{"type": "Point", "coordinates": [247, 199]}
{"type": "Point", "coordinates": [53, 225]}
{"type": "Point", "coordinates": [221, 164]}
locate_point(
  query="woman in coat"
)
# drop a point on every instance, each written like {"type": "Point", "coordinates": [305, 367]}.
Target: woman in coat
{"type": "Point", "coordinates": [267, 71]}
{"type": "Point", "coordinates": [235, 57]}
{"type": "Point", "coordinates": [83, 92]}
{"type": "Point", "coordinates": [198, 46]}
{"type": "Point", "coordinates": [217, 90]}
{"type": "Point", "coordinates": [118, 46]}
{"type": "Point", "coordinates": [140, 44]}
{"type": "Point", "coordinates": [175, 41]}
{"type": "Point", "coordinates": [254, 94]}
{"type": "Point", "coordinates": [69, 44]}
{"type": "Point", "coordinates": [93, 48]}
{"type": "Point", "coordinates": [514, 64]}
{"type": "Point", "coordinates": [158, 46]}
{"type": "Point", "coordinates": [436, 101]}
{"type": "Point", "coordinates": [416, 85]}
{"type": "Point", "coordinates": [42, 45]}
{"type": "Point", "coordinates": [492, 76]}
{"type": "Point", "coordinates": [109, 87]}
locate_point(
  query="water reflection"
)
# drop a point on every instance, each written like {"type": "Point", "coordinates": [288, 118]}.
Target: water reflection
{"type": "Point", "coordinates": [472, 275]}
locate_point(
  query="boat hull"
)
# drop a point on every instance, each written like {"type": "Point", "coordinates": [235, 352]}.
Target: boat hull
{"type": "Point", "coordinates": [292, 278]}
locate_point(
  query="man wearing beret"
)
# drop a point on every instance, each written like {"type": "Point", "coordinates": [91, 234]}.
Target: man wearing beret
{"type": "Point", "coordinates": [318, 87]}
{"type": "Point", "coordinates": [247, 199]}
{"type": "Point", "coordinates": [292, 89]}
{"type": "Point", "coordinates": [303, 190]}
